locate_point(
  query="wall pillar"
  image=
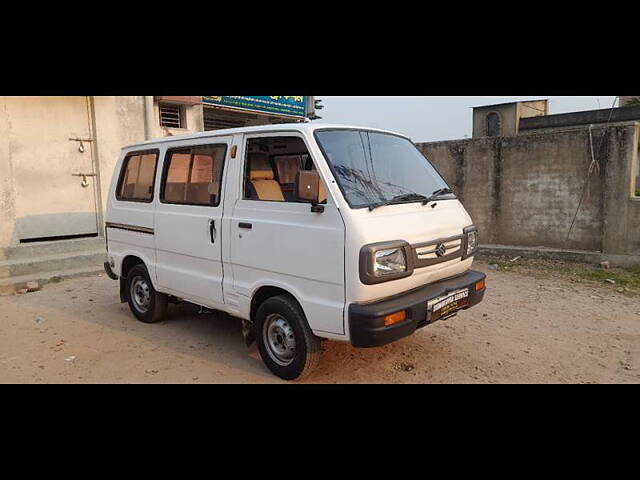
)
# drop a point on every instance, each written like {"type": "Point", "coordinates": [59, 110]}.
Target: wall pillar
{"type": "Point", "coordinates": [7, 190]}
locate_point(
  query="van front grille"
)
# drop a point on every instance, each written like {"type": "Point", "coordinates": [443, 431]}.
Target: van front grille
{"type": "Point", "coordinates": [437, 251]}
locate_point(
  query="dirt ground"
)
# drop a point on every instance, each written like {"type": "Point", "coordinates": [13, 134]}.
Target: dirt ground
{"type": "Point", "coordinates": [535, 326]}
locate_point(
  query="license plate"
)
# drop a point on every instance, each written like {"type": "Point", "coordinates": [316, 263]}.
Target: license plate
{"type": "Point", "coordinates": [446, 305]}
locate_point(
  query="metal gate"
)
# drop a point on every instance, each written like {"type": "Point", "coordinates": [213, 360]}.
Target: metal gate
{"type": "Point", "coordinates": [51, 150]}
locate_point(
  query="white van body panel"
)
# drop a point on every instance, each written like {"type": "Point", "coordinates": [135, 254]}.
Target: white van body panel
{"type": "Point", "coordinates": [235, 304]}
{"type": "Point", "coordinates": [123, 243]}
{"type": "Point", "coordinates": [313, 256]}
{"type": "Point", "coordinates": [135, 225]}
{"type": "Point", "coordinates": [189, 243]}
{"type": "Point", "coordinates": [413, 223]}
{"type": "Point", "coordinates": [290, 248]}
{"type": "Point", "coordinates": [304, 255]}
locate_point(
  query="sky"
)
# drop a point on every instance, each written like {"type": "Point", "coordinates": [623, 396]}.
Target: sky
{"type": "Point", "coordinates": [427, 119]}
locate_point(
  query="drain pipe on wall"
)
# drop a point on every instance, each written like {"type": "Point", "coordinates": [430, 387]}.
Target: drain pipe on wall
{"type": "Point", "coordinates": [149, 117]}
{"type": "Point", "coordinates": [95, 154]}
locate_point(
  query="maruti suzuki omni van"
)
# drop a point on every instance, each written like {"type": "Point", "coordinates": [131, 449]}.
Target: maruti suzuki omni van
{"type": "Point", "coordinates": [304, 232]}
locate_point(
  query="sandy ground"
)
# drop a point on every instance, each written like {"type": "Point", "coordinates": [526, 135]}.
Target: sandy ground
{"type": "Point", "coordinates": [531, 328]}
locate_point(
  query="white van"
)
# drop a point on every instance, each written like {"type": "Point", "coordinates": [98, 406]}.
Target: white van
{"type": "Point", "coordinates": [304, 232]}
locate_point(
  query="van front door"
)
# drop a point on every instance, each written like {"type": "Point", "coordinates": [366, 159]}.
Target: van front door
{"type": "Point", "coordinates": [276, 240]}
{"type": "Point", "coordinates": [188, 221]}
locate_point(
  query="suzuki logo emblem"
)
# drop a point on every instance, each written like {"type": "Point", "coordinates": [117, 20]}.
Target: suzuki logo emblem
{"type": "Point", "coordinates": [441, 250]}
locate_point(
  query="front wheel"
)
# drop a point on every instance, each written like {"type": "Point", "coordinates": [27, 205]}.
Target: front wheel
{"type": "Point", "coordinates": [285, 341]}
{"type": "Point", "coordinates": [145, 303]}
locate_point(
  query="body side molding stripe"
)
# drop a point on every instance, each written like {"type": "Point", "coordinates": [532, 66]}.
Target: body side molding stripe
{"type": "Point", "coordinates": [132, 228]}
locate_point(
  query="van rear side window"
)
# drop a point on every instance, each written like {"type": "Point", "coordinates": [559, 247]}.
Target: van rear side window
{"type": "Point", "coordinates": [193, 175]}
{"type": "Point", "coordinates": [137, 177]}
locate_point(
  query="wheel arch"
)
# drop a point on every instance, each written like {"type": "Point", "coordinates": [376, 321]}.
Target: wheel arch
{"type": "Point", "coordinates": [267, 291]}
{"type": "Point", "coordinates": [129, 261]}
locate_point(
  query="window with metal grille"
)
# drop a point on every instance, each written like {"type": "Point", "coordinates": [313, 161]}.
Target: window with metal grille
{"type": "Point", "coordinates": [215, 119]}
{"type": "Point", "coordinates": [219, 124]}
{"type": "Point", "coordinates": [171, 116]}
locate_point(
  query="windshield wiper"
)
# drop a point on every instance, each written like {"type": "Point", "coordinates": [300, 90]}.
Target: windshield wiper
{"type": "Point", "coordinates": [412, 197]}
{"type": "Point", "coordinates": [435, 195]}
{"type": "Point", "coordinates": [403, 198]}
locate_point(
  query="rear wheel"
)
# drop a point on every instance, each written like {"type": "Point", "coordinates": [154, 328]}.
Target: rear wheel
{"type": "Point", "coordinates": [285, 341]}
{"type": "Point", "coordinates": [145, 303]}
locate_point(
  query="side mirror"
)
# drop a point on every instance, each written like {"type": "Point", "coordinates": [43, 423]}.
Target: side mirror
{"type": "Point", "coordinates": [308, 183]}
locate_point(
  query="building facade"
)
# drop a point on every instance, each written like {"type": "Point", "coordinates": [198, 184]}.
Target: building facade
{"type": "Point", "coordinates": [57, 154]}
{"type": "Point", "coordinates": [504, 119]}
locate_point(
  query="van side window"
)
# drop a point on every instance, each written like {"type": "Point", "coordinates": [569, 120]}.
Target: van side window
{"type": "Point", "coordinates": [193, 175]}
{"type": "Point", "coordinates": [137, 177]}
{"type": "Point", "coordinates": [272, 165]}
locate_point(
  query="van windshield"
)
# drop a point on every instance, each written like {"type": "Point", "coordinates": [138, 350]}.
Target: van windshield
{"type": "Point", "coordinates": [375, 168]}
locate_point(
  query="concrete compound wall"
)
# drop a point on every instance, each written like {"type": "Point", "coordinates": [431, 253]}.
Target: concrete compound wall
{"type": "Point", "coordinates": [524, 190]}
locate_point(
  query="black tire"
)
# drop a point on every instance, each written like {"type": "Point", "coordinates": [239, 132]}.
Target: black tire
{"type": "Point", "coordinates": [306, 356]}
{"type": "Point", "coordinates": [138, 277]}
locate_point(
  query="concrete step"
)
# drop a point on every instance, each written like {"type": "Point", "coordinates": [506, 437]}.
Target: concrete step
{"type": "Point", "coordinates": [52, 263]}
{"type": "Point", "coordinates": [9, 286]}
{"type": "Point", "coordinates": [58, 247]}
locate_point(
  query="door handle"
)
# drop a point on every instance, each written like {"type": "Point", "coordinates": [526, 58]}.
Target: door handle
{"type": "Point", "coordinates": [212, 230]}
{"type": "Point", "coordinates": [248, 226]}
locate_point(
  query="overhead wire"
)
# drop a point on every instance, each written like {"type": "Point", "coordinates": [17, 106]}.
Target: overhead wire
{"type": "Point", "coordinates": [593, 166]}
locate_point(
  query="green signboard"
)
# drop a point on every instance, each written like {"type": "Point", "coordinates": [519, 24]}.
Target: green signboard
{"type": "Point", "coordinates": [292, 106]}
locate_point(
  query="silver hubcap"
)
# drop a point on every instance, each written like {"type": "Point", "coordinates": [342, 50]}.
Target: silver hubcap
{"type": "Point", "coordinates": [140, 294]}
{"type": "Point", "coordinates": [279, 339]}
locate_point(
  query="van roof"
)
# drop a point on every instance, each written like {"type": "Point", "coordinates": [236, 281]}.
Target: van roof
{"type": "Point", "coordinates": [294, 127]}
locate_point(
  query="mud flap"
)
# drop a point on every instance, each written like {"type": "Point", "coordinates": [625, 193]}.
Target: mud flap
{"type": "Point", "coordinates": [248, 332]}
{"type": "Point", "coordinates": [123, 291]}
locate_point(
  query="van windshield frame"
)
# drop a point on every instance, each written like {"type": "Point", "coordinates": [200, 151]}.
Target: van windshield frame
{"type": "Point", "coordinates": [379, 190]}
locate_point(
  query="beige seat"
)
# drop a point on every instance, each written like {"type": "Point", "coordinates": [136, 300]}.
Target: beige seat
{"type": "Point", "coordinates": [262, 177]}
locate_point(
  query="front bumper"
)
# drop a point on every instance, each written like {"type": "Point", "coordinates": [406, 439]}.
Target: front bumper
{"type": "Point", "coordinates": [366, 322]}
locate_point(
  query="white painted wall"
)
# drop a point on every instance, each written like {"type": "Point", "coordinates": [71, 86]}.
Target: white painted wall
{"type": "Point", "coordinates": [115, 121]}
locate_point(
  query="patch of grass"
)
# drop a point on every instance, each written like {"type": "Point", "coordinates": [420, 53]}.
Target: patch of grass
{"type": "Point", "coordinates": [638, 193]}
{"type": "Point", "coordinates": [628, 278]}
{"type": "Point", "coordinates": [622, 277]}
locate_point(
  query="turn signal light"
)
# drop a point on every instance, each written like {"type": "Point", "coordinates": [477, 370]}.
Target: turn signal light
{"type": "Point", "coordinates": [395, 318]}
{"type": "Point", "coordinates": [479, 285]}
